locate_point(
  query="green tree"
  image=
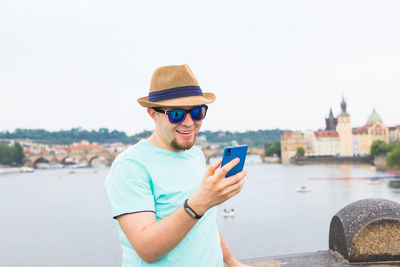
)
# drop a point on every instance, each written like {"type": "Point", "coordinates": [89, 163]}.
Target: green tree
{"type": "Point", "coordinates": [393, 158]}
{"type": "Point", "coordinates": [11, 155]}
{"type": "Point", "coordinates": [300, 151]}
{"type": "Point", "coordinates": [18, 154]}
{"type": "Point", "coordinates": [272, 149]}
{"type": "Point", "coordinates": [379, 147]}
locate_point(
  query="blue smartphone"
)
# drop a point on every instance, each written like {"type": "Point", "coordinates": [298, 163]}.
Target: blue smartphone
{"type": "Point", "coordinates": [231, 152]}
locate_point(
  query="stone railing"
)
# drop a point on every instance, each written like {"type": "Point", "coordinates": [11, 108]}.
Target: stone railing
{"type": "Point", "coordinates": [364, 233]}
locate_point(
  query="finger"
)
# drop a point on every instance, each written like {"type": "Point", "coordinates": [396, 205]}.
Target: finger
{"type": "Point", "coordinates": [237, 186]}
{"type": "Point", "coordinates": [212, 168]}
{"type": "Point", "coordinates": [236, 178]}
{"type": "Point", "coordinates": [227, 167]}
{"type": "Point", "coordinates": [236, 191]}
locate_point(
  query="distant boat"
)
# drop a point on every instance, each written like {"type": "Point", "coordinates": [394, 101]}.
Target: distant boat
{"type": "Point", "coordinates": [303, 189]}
{"type": "Point", "coordinates": [26, 169]}
{"type": "Point", "coordinates": [78, 166]}
{"type": "Point", "coordinates": [373, 181]}
{"type": "Point", "coordinates": [229, 213]}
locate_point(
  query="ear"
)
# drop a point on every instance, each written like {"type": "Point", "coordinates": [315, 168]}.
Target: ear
{"type": "Point", "coordinates": [152, 113]}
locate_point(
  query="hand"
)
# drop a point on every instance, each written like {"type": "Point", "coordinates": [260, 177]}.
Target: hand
{"type": "Point", "coordinates": [215, 188]}
{"type": "Point", "coordinates": [236, 263]}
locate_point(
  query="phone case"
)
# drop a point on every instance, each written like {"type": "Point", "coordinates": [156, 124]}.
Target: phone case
{"type": "Point", "coordinates": [232, 152]}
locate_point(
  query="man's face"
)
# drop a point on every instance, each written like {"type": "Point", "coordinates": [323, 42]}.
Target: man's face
{"type": "Point", "coordinates": [177, 137]}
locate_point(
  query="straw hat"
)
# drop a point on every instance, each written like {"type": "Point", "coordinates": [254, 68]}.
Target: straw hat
{"type": "Point", "coordinates": [175, 86]}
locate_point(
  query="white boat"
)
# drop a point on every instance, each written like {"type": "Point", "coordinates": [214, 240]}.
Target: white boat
{"type": "Point", "coordinates": [26, 169]}
{"type": "Point", "coordinates": [229, 213]}
{"type": "Point", "coordinates": [303, 189]}
{"type": "Point", "coordinates": [373, 181]}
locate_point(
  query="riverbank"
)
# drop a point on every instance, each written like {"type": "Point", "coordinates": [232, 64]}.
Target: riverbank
{"type": "Point", "coordinates": [331, 160]}
{"type": "Point", "coordinates": [381, 164]}
{"type": "Point", "coordinates": [5, 170]}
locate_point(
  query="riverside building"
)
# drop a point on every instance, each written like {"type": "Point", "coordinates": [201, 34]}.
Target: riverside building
{"type": "Point", "coordinates": [339, 138]}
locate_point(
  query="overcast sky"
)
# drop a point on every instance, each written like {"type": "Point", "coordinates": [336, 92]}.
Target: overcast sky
{"type": "Point", "coordinates": [271, 64]}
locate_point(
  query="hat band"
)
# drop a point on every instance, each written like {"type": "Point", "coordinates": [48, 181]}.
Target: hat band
{"type": "Point", "coordinates": [177, 92]}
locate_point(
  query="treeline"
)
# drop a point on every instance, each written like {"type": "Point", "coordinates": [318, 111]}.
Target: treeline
{"type": "Point", "coordinates": [391, 150]}
{"type": "Point", "coordinates": [252, 138]}
{"type": "Point", "coordinates": [65, 137]}
{"type": "Point", "coordinates": [11, 155]}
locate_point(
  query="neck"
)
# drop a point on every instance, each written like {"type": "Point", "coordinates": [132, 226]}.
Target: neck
{"type": "Point", "coordinates": [156, 140]}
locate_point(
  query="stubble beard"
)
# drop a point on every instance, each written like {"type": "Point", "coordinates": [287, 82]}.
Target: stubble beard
{"type": "Point", "coordinates": [175, 145]}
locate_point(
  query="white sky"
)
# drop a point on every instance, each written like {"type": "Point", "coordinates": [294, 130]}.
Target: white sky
{"type": "Point", "coordinates": [272, 64]}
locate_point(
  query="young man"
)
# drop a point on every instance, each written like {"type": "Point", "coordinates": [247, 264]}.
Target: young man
{"type": "Point", "coordinates": [160, 191]}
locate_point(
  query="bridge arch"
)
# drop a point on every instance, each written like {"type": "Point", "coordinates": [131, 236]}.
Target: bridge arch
{"type": "Point", "coordinates": [40, 160]}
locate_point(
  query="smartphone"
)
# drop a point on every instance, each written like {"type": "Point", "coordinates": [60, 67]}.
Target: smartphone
{"type": "Point", "coordinates": [231, 152]}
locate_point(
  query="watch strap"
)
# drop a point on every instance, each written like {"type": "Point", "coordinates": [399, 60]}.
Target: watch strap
{"type": "Point", "coordinates": [190, 211]}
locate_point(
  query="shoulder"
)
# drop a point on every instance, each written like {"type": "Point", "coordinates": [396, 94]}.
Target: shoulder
{"type": "Point", "coordinates": [133, 152]}
{"type": "Point", "coordinates": [197, 153]}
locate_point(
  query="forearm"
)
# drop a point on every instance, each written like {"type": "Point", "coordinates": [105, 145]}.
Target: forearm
{"type": "Point", "coordinates": [229, 258]}
{"type": "Point", "coordinates": [160, 237]}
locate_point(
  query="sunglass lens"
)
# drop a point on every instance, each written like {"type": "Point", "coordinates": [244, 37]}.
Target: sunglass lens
{"type": "Point", "coordinates": [176, 115]}
{"type": "Point", "coordinates": [198, 113]}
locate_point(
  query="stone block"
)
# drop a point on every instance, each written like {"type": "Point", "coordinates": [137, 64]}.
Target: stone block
{"type": "Point", "coordinates": [367, 231]}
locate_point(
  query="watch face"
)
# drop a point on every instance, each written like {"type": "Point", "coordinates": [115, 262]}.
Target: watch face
{"type": "Point", "coordinates": [190, 212]}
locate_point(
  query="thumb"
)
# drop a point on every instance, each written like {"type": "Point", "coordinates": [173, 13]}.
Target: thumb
{"type": "Point", "coordinates": [212, 168]}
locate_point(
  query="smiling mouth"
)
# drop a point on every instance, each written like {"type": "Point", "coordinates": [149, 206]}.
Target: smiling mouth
{"type": "Point", "coordinates": [185, 132]}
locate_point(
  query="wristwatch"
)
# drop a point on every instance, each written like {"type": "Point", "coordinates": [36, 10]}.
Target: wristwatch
{"type": "Point", "coordinates": [191, 212]}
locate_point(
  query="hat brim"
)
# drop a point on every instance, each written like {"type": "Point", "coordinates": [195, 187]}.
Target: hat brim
{"type": "Point", "coordinates": [207, 98]}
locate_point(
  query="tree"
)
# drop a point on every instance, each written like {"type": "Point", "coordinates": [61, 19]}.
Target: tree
{"type": "Point", "coordinates": [393, 158]}
{"type": "Point", "coordinates": [379, 147]}
{"type": "Point", "coordinates": [300, 151]}
{"type": "Point", "coordinates": [18, 154]}
{"type": "Point", "coordinates": [11, 155]}
{"type": "Point", "coordinates": [272, 149]}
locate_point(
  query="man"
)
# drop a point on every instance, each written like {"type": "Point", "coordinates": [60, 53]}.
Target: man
{"type": "Point", "coordinates": [160, 191]}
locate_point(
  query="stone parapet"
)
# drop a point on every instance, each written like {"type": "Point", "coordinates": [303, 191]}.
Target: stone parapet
{"type": "Point", "coordinates": [364, 233]}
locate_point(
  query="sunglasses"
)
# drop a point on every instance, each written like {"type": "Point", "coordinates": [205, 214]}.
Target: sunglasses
{"type": "Point", "coordinates": [178, 115]}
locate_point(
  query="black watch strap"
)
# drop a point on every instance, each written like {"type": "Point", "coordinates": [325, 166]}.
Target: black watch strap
{"type": "Point", "coordinates": [191, 212]}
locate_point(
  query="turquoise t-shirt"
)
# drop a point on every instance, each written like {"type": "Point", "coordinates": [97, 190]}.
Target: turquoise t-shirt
{"type": "Point", "coordinates": [148, 178]}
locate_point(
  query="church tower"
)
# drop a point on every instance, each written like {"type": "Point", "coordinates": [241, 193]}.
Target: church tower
{"type": "Point", "coordinates": [331, 122]}
{"type": "Point", "coordinates": [345, 132]}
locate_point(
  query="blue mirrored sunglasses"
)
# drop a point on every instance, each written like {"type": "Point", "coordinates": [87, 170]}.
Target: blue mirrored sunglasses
{"type": "Point", "coordinates": [178, 115]}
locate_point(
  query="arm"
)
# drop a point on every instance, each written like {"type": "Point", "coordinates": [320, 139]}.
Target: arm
{"type": "Point", "coordinates": [229, 258]}
{"type": "Point", "coordinates": [153, 239]}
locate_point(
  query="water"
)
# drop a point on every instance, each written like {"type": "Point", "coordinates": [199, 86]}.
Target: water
{"type": "Point", "coordinates": [62, 217]}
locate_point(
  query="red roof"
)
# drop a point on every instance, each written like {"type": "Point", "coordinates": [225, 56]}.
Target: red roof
{"type": "Point", "coordinates": [360, 130]}
{"type": "Point", "coordinates": [363, 129]}
{"type": "Point", "coordinates": [84, 146]}
{"type": "Point", "coordinates": [326, 134]}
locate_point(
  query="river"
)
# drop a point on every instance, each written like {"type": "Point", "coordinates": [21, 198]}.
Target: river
{"type": "Point", "coordinates": [62, 217]}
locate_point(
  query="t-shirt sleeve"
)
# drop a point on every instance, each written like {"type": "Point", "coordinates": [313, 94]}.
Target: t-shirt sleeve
{"type": "Point", "coordinates": [128, 188]}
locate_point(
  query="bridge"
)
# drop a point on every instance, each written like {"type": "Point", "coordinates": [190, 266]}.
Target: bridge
{"type": "Point", "coordinates": [81, 158]}
{"type": "Point", "coordinates": [87, 158]}
{"type": "Point", "coordinates": [209, 153]}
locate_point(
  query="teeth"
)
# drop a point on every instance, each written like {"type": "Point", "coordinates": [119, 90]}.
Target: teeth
{"type": "Point", "coordinates": [184, 132]}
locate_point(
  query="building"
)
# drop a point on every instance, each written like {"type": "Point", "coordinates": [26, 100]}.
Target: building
{"type": "Point", "coordinates": [345, 132]}
{"type": "Point", "coordinates": [394, 133]}
{"type": "Point", "coordinates": [331, 122]}
{"type": "Point", "coordinates": [327, 143]}
{"type": "Point", "coordinates": [84, 147]}
{"type": "Point", "coordinates": [290, 141]}
{"type": "Point", "coordinates": [339, 138]}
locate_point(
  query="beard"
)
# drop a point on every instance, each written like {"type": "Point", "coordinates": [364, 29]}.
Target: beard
{"type": "Point", "coordinates": [183, 147]}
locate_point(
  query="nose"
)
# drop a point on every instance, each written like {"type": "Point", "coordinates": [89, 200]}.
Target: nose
{"type": "Point", "coordinates": [188, 121]}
